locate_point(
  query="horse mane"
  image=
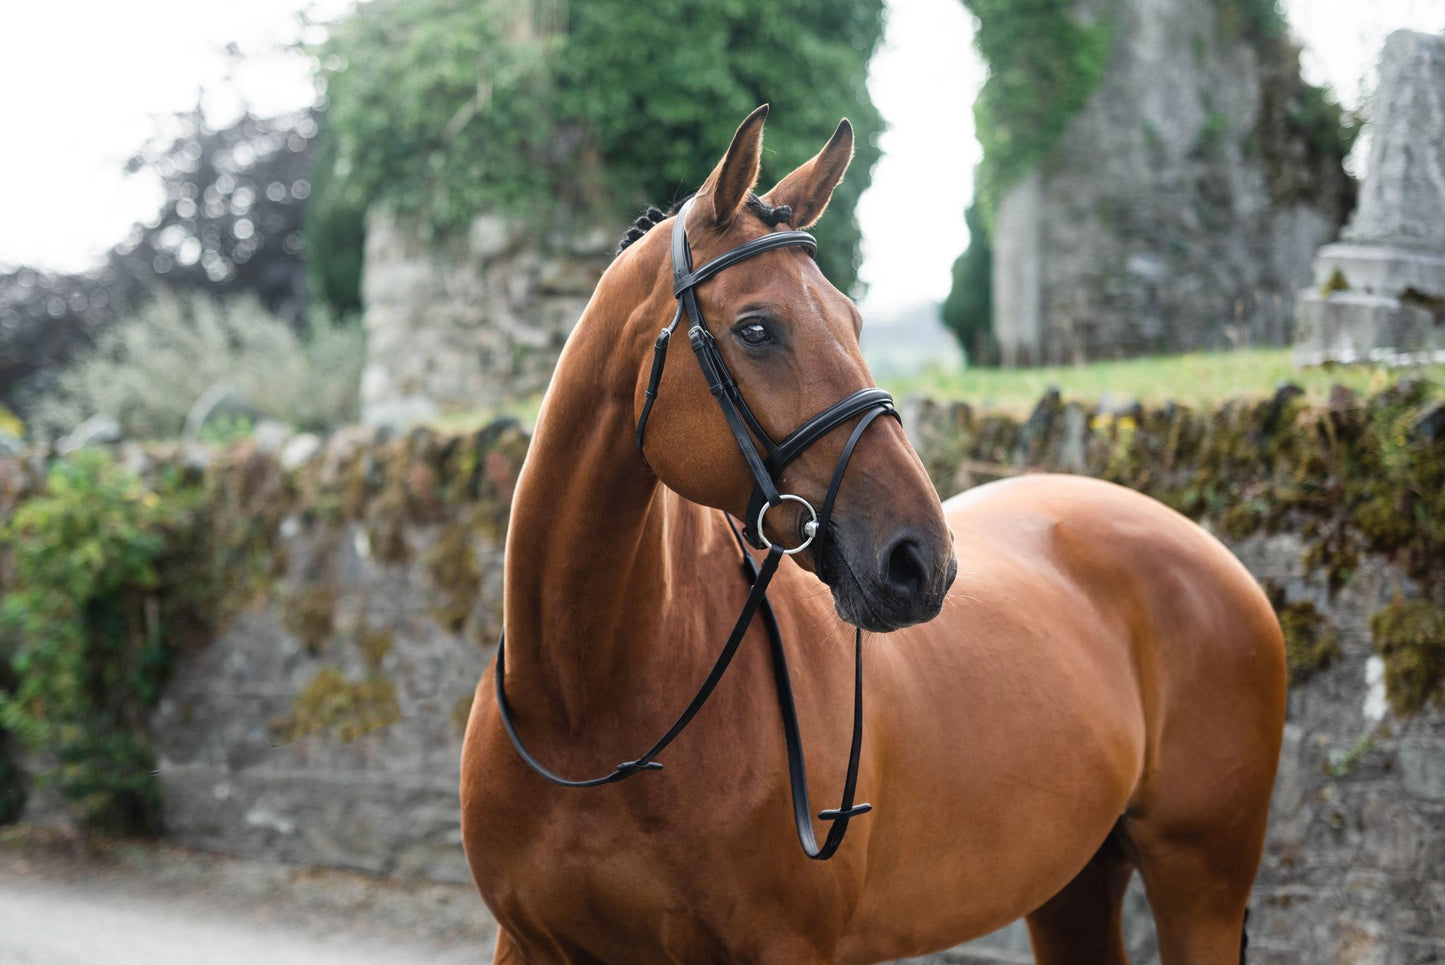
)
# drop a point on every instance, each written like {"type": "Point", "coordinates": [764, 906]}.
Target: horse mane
{"type": "Point", "coordinates": [768, 214]}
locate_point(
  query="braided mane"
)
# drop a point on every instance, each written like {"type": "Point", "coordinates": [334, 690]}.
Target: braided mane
{"type": "Point", "coordinates": [768, 214]}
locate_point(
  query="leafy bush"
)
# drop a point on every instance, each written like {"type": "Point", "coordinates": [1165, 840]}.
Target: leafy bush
{"type": "Point", "coordinates": [96, 562]}
{"type": "Point", "coordinates": [148, 370]}
{"type": "Point", "coordinates": [444, 108]}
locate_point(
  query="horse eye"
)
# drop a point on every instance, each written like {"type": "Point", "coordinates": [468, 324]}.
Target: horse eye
{"type": "Point", "coordinates": [754, 333]}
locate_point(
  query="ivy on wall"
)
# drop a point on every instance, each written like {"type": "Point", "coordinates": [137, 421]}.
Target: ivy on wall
{"type": "Point", "coordinates": [1044, 62]}
{"type": "Point", "coordinates": [445, 108]}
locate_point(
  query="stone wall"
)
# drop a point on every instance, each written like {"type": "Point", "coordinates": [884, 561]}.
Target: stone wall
{"type": "Point", "coordinates": [1181, 209]}
{"type": "Point", "coordinates": [466, 323]}
{"type": "Point", "coordinates": [323, 723]}
{"type": "Point", "coordinates": [358, 584]}
{"type": "Point", "coordinates": [1354, 866]}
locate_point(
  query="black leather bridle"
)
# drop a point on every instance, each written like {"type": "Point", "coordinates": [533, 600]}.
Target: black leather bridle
{"type": "Point", "coordinates": [766, 460]}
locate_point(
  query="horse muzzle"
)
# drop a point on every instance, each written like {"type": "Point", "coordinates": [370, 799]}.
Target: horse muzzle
{"type": "Point", "coordinates": [894, 583]}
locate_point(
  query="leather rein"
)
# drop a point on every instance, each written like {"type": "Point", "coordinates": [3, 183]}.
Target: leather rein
{"type": "Point", "coordinates": [766, 461]}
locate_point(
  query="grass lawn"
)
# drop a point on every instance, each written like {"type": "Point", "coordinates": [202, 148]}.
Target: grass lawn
{"type": "Point", "coordinates": [1196, 380]}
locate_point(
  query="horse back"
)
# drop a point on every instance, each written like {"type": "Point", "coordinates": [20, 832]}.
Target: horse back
{"type": "Point", "coordinates": [1101, 660]}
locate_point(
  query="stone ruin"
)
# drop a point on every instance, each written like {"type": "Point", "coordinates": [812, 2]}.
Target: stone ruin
{"type": "Point", "coordinates": [467, 323]}
{"type": "Point", "coordinates": [1380, 291]}
{"type": "Point", "coordinates": [1182, 207]}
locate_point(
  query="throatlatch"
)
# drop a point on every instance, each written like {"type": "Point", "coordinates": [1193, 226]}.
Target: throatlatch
{"type": "Point", "coordinates": [766, 465]}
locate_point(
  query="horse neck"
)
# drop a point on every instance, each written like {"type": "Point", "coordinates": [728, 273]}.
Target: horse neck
{"type": "Point", "coordinates": [587, 548]}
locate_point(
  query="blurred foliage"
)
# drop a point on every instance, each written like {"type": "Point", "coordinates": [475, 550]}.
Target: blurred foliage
{"type": "Point", "coordinates": [1409, 635]}
{"type": "Point", "coordinates": [147, 370]}
{"type": "Point", "coordinates": [86, 631]}
{"type": "Point", "coordinates": [538, 108]}
{"type": "Point", "coordinates": [231, 221]}
{"type": "Point", "coordinates": [1309, 133]}
{"type": "Point", "coordinates": [968, 310]}
{"type": "Point", "coordinates": [230, 224]}
{"type": "Point", "coordinates": [1043, 62]}
{"type": "Point", "coordinates": [335, 234]}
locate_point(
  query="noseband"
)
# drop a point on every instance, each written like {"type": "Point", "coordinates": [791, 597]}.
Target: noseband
{"type": "Point", "coordinates": [766, 460]}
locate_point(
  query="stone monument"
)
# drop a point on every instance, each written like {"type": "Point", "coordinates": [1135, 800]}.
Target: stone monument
{"type": "Point", "coordinates": [1380, 292]}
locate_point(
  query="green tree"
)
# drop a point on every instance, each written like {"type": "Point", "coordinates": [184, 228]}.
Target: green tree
{"type": "Point", "coordinates": [968, 310]}
{"type": "Point", "coordinates": [445, 108]}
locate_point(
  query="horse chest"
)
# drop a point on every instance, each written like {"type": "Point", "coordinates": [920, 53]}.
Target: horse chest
{"type": "Point", "coordinates": [683, 865]}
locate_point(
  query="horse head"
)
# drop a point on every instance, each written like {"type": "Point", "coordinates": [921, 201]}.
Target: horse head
{"type": "Point", "coordinates": [788, 341]}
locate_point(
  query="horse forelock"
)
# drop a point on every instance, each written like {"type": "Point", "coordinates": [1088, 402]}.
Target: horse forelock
{"type": "Point", "coordinates": [770, 215]}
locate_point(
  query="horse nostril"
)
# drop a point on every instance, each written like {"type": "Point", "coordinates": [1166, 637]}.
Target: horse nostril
{"type": "Point", "coordinates": [907, 569]}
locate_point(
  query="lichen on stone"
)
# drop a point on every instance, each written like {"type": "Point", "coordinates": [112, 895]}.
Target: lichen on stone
{"type": "Point", "coordinates": [310, 613]}
{"type": "Point", "coordinates": [346, 709]}
{"type": "Point", "coordinates": [375, 644]}
{"type": "Point", "coordinates": [452, 567]}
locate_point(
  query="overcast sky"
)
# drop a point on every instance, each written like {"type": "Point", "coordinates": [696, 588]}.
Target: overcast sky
{"type": "Point", "coordinates": [81, 80]}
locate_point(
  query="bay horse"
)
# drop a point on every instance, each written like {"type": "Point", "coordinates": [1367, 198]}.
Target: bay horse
{"type": "Point", "coordinates": [1100, 689]}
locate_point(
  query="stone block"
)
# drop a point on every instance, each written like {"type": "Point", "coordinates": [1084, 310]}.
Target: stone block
{"type": "Point", "coordinates": [1422, 768]}
{"type": "Point", "coordinates": [1381, 269]}
{"type": "Point", "coordinates": [1356, 326]}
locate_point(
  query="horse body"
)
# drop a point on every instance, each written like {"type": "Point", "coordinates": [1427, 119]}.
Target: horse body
{"type": "Point", "coordinates": [1103, 689]}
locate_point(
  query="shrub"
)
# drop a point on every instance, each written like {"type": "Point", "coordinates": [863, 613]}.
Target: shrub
{"type": "Point", "coordinates": [84, 628]}
{"type": "Point", "coordinates": [149, 369]}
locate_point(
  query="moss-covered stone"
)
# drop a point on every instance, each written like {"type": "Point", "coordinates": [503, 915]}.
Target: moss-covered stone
{"type": "Point", "coordinates": [452, 566]}
{"type": "Point", "coordinates": [310, 613]}
{"type": "Point", "coordinates": [345, 708]}
{"type": "Point", "coordinates": [1409, 636]}
{"type": "Point", "coordinates": [248, 495]}
{"type": "Point", "coordinates": [375, 644]}
{"type": "Point", "coordinates": [1310, 643]}
{"type": "Point", "coordinates": [1354, 475]}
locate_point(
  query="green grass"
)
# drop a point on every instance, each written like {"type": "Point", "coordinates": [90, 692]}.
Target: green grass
{"type": "Point", "coordinates": [1197, 379]}
{"type": "Point", "coordinates": [523, 410]}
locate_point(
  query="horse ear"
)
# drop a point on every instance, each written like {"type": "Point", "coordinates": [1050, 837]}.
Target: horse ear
{"type": "Point", "coordinates": [737, 172]}
{"type": "Point", "coordinates": [809, 189]}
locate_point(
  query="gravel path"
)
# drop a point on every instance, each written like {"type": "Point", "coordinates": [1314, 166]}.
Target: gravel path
{"type": "Point", "coordinates": [67, 902]}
